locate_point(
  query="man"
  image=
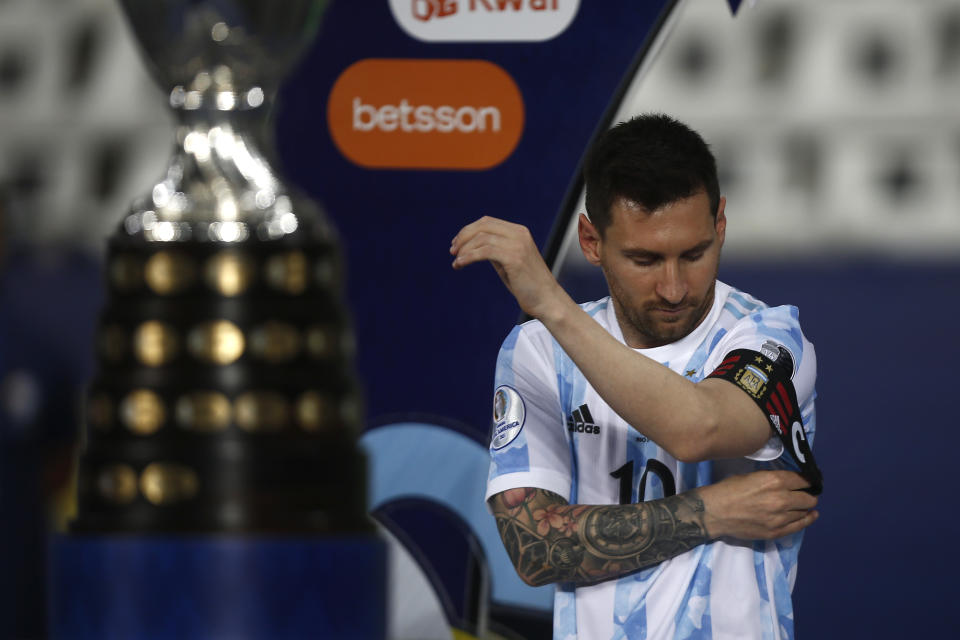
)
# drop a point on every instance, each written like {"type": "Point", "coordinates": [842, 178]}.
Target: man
{"type": "Point", "coordinates": [600, 474]}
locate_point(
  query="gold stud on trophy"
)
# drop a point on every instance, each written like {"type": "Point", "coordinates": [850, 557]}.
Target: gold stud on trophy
{"type": "Point", "coordinates": [321, 342]}
{"type": "Point", "coordinates": [314, 411]}
{"type": "Point", "coordinates": [165, 483]}
{"type": "Point", "coordinates": [169, 272]}
{"type": "Point", "coordinates": [126, 272]}
{"type": "Point", "coordinates": [142, 412]}
{"type": "Point", "coordinates": [206, 411]}
{"type": "Point", "coordinates": [118, 483]}
{"type": "Point", "coordinates": [287, 272]}
{"type": "Point", "coordinates": [229, 272]}
{"type": "Point", "coordinates": [155, 343]}
{"type": "Point", "coordinates": [217, 342]}
{"type": "Point", "coordinates": [262, 411]}
{"type": "Point", "coordinates": [275, 342]}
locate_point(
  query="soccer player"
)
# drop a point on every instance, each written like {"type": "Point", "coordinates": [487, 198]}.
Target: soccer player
{"type": "Point", "coordinates": [620, 424]}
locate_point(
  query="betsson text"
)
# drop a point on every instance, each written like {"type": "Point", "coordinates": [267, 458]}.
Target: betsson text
{"type": "Point", "coordinates": [424, 118]}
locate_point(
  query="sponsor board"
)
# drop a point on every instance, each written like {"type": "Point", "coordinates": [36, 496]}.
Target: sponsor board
{"type": "Point", "coordinates": [425, 114]}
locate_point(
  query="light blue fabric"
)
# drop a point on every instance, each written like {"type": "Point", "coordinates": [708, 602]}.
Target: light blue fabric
{"type": "Point", "coordinates": [435, 463]}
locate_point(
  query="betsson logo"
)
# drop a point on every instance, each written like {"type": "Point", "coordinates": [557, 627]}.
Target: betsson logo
{"type": "Point", "coordinates": [484, 20]}
{"type": "Point", "coordinates": [424, 118]}
{"type": "Point", "coordinates": [425, 114]}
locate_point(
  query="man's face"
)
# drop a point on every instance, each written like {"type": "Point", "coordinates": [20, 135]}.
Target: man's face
{"type": "Point", "coordinates": [660, 266]}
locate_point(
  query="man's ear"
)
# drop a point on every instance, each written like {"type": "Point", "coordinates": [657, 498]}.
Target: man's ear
{"type": "Point", "coordinates": [589, 240]}
{"type": "Point", "coordinates": [721, 223]}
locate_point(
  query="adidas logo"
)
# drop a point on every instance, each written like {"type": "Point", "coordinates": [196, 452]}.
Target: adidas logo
{"type": "Point", "coordinates": [580, 421]}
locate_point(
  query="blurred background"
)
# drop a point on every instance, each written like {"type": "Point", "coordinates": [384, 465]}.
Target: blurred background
{"type": "Point", "coordinates": [837, 132]}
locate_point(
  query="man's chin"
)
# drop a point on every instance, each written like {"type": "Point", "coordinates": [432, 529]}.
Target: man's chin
{"type": "Point", "coordinates": [657, 331]}
{"type": "Point", "coordinates": [667, 331]}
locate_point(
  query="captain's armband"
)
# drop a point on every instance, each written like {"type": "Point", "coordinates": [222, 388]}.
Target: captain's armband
{"type": "Point", "coordinates": [768, 383]}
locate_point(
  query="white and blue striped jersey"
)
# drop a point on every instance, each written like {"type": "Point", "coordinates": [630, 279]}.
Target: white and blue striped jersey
{"type": "Point", "coordinates": [553, 431]}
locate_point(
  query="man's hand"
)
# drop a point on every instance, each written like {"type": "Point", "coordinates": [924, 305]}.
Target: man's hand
{"type": "Point", "coordinates": [758, 506]}
{"type": "Point", "coordinates": [512, 252]}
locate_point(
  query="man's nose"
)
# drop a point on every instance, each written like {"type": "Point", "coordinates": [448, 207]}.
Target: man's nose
{"type": "Point", "coordinates": [672, 287]}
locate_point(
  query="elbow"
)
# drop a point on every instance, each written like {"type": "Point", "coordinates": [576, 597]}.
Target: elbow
{"type": "Point", "coordinates": [700, 428]}
{"type": "Point", "coordinates": [710, 441]}
{"type": "Point", "coordinates": [691, 454]}
{"type": "Point", "coordinates": [532, 581]}
{"type": "Point", "coordinates": [540, 579]}
{"type": "Point", "coordinates": [699, 443]}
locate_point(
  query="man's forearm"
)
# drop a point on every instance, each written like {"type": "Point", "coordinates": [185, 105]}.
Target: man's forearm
{"type": "Point", "coordinates": [550, 541]}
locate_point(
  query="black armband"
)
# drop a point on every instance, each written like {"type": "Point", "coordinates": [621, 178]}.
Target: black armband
{"type": "Point", "coordinates": [768, 383]}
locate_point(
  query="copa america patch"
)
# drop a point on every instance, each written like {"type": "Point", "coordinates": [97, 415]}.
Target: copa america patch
{"type": "Point", "coordinates": [509, 414]}
{"type": "Point", "coordinates": [780, 355]}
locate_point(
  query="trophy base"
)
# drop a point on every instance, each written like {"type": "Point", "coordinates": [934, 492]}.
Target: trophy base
{"type": "Point", "coordinates": [217, 586]}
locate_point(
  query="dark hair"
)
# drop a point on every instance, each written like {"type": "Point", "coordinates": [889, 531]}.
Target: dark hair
{"type": "Point", "coordinates": [652, 160]}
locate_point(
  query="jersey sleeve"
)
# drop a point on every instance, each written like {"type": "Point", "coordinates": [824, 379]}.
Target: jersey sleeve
{"type": "Point", "coordinates": [529, 444]}
{"type": "Point", "coordinates": [775, 332]}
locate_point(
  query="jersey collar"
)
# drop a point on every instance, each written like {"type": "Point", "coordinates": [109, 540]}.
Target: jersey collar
{"type": "Point", "coordinates": [686, 344]}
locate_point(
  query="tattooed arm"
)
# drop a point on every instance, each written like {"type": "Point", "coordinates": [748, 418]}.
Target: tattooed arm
{"type": "Point", "coordinates": [549, 540]}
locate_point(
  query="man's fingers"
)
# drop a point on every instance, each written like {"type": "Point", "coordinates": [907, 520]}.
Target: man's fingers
{"type": "Point", "coordinates": [480, 245]}
{"type": "Point", "coordinates": [797, 512]}
{"type": "Point", "coordinates": [483, 243]}
{"type": "Point", "coordinates": [486, 224]}
{"type": "Point", "coordinates": [463, 236]}
{"type": "Point", "coordinates": [476, 254]}
{"type": "Point", "coordinates": [802, 500]}
{"type": "Point", "coordinates": [472, 237]}
{"type": "Point", "coordinates": [799, 524]}
{"type": "Point", "coordinates": [789, 479]}
{"type": "Point", "coordinates": [787, 523]}
{"type": "Point", "coordinates": [473, 253]}
{"type": "Point", "coordinates": [784, 499]}
{"type": "Point", "coordinates": [511, 250]}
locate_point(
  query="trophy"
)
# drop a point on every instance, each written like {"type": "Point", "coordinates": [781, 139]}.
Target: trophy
{"type": "Point", "coordinates": [224, 400]}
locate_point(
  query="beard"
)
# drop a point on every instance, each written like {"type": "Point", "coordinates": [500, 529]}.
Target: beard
{"type": "Point", "coordinates": [648, 326]}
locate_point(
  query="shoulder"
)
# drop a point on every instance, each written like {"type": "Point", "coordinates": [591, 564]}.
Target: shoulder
{"type": "Point", "coordinates": [530, 348]}
{"type": "Point", "coordinates": [526, 336]}
{"type": "Point", "coordinates": [737, 306]}
{"type": "Point", "coordinates": [525, 354]}
{"type": "Point", "coordinates": [777, 325]}
{"type": "Point", "coordinates": [774, 332]}
{"type": "Point", "coordinates": [749, 320]}
{"type": "Point", "coordinates": [534, 334]}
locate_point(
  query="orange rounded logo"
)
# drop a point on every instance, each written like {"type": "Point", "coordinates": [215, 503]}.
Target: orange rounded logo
{"type": "Point", "coordinates": [425, 114]}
